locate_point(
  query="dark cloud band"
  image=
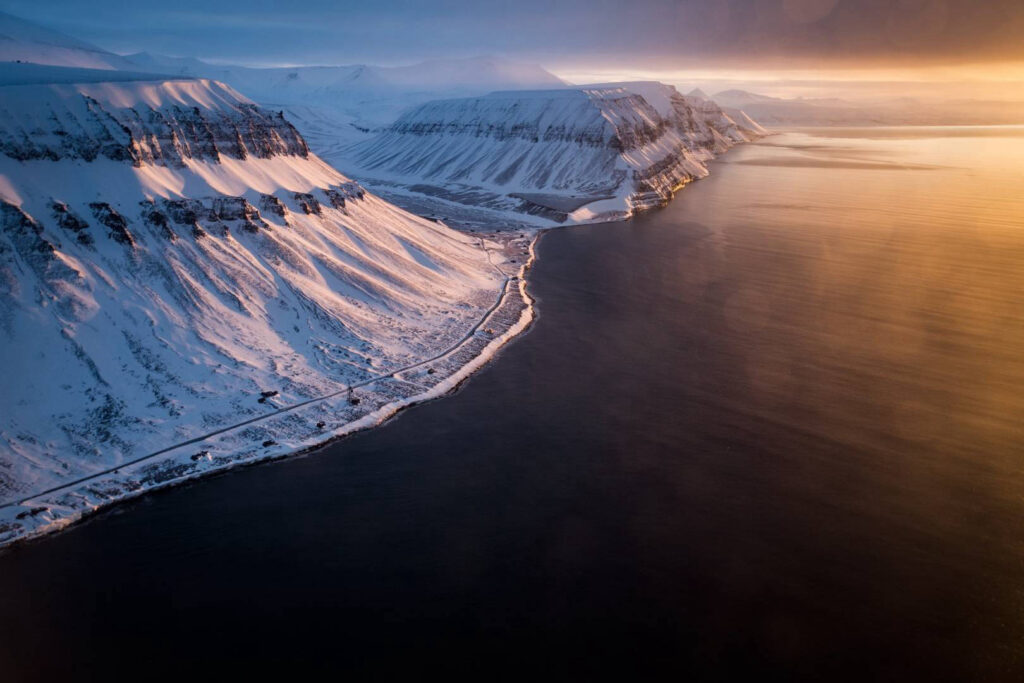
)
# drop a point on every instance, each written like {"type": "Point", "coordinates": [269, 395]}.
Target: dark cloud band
{"type": "Point", "coordinates": [748, 32]}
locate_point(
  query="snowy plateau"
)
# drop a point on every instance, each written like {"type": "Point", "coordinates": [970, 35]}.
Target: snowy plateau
{"type": "Point", "coordinates": [543, 158]}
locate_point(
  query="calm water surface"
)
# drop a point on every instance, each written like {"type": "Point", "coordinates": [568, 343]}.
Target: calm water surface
{"type": "Point", "coordinates": [775, 430]}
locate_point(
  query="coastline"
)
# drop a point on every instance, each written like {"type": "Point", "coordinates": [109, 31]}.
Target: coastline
{"type": "Point", "coordinates": [293, 430]}
{"type": "Point", "coordinates": [288, 432]}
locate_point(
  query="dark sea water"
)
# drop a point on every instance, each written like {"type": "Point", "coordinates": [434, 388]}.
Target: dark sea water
{"type": "Point", "coordinates": [774, 431]}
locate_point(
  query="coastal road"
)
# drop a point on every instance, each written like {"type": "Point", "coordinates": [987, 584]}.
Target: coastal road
{"type": "Point", "coordinates": [507, 281]}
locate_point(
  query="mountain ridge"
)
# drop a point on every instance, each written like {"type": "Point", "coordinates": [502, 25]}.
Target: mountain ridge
{"type": "Point", "coordinates": [22, 40]}
{"type": "Point", "coordinates": [545, 157]}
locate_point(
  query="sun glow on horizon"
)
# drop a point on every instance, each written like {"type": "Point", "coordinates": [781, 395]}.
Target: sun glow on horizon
{"type": "Point", "coordinates": [998, 81]}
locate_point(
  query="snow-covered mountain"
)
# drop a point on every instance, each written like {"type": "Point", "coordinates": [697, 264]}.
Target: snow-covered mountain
{"type": "Point", "coordinates": [24, 41]}
{"type": "Point", "coordinates": [779, 111]}
{"type": "Point", "coordinates": [174, 260]}
{"type": "Point", "coordinates": [331, 105]}
{"type": "Point", "coordinates": [324, 82]}
{"type": "Point", "coordinates": [589, 153]}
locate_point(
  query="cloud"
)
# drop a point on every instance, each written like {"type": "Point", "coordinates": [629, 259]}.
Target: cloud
{"type": "Point", "coordinates": [733, 32]}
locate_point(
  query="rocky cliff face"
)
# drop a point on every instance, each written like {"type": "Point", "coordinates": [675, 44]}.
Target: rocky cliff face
{"type": "Point", "coordinates": [698, 130]}
{"type": "Point", "coordinates": [172, 122]}
{"type": "Point", "coordinates": [528, 152]}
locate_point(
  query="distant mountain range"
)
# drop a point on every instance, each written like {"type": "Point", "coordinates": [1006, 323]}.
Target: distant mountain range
{"type": "Point", "coordinates": [331, 104]}
{"type": "Point", "coordinates": [334, 105]}
{"type": "Point", "coordinates": [24, 41]}
{"type": "Point", "coordinates": [359, 87]}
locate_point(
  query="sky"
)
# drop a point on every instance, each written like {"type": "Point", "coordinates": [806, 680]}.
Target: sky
{"type": "Point", "coordinates": [710, 41]}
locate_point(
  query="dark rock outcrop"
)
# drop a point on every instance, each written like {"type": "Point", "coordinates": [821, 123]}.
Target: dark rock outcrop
{"type": "Point", "coordinates": [158, 220]}
{"type": "Point", "coordinates": [309, 204]}
{"type": "Point", "coordinates": [108, 216]}
{"type": "Point", "coordinates": [164, 136]}
{"type": "Point", "coordinates": [239, 209]}
{"type": "Point", "coordinates": [271, 204]}
{"type": "Point", "coordinates": [37, 252]}
{"type": "Point", "coordinates": [335, 198]}
{"type": "Point", "coordinates": [337, 195]}
{"type": "Point", "coordinates": [70, 221]}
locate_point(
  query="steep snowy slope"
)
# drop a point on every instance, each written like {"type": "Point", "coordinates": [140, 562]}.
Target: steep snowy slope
{"type": "Point", "coordinates": [173, 261]}
{"type": "Point", "coordinates": [22, 40]}
{"type": "Point", "coordinates": [596, 152]}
